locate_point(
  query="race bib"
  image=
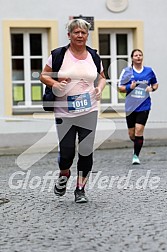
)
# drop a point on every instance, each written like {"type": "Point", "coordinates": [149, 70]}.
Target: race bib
{"type": "Point", "coordinates": [139, 92]}
{"type": "Point", "coordinates": [79, 103]}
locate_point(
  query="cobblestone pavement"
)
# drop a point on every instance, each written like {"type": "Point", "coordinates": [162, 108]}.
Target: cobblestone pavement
{"type": "Point", "coordinates": [126, 209]}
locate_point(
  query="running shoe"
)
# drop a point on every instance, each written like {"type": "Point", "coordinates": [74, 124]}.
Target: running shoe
{"type": "Point", "coordinates": [135, 160]}
{"type": "Point", "coordinates": [80, 196]}
{"type": "Point", "coordinates": [61, 185]}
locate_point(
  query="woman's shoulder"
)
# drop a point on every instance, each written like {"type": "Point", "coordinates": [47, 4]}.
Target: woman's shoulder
{"type": "Point", "coordinates": [59, 50]}
{"type": "Point", "coordinates": [147, 68]}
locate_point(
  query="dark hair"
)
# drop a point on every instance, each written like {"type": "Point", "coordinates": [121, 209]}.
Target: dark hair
{"type": "Point", "coordinates": [135, 51]}
{"type": "Point", "coordinates": [132, 53]}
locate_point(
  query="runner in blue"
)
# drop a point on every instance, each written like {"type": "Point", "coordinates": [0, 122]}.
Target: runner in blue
{"type": "Point", "coordinates": [137, 81]}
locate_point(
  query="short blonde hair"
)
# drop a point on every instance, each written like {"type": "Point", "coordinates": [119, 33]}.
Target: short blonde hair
{"type": "Point", "coordinates": [81, 23]}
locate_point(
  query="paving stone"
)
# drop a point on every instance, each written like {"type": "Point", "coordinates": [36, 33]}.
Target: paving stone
{"type": "Point", "coordinates": [124, 213]}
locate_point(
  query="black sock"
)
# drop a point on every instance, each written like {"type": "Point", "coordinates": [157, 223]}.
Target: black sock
{"type": "Point", "coordinates": [138, 143]}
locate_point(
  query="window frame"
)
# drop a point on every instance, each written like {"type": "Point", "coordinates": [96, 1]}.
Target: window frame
{"type": "Point", "coordinates": [113, 58]}
{"type": "Point", "coordinates": [27, 65]}
{"type": "Point", "coordinates": [137, 28]}
{"type": "Point", "coordinates": [52, 28]}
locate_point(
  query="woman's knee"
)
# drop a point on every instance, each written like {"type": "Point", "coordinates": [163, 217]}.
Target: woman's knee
{"type": "Point", "coordinates": [131, 132]}
{"type": "Point", "coordinates": [139, 129]}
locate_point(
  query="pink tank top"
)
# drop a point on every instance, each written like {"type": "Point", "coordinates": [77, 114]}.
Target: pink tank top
{"type": "Point", "coordinates": [78, 98]}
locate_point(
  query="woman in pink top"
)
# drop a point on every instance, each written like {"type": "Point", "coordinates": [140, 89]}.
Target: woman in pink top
{"type": "Point", "coordinates": [75, 106]}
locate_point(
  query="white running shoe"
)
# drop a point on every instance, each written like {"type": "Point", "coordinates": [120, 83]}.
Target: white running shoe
{"type": "Point", "coordinates": [135, 160]}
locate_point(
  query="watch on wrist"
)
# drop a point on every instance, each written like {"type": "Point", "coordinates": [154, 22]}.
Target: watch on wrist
{"type": "Point", "coordinates": [153, 89]}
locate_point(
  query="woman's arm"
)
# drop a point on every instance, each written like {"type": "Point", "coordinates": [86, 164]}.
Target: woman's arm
{"type": "Point", "coordinates": [152, 87]}
{"type": "Point", "coordinates": [46, 78]}
{"type": "Point", "coordinates": [127, 88]}
{"type": "Point", "coordinates": [122, 89]}
{"type": "Point", "coordinates": [101, 85]}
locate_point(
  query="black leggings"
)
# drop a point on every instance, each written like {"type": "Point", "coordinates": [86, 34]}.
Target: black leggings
{"type": "Point", "coordinates": [68, 129]}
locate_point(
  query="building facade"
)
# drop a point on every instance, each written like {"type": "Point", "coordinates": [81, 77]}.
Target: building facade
{"type": "Point", "coordinates": [29, 30]}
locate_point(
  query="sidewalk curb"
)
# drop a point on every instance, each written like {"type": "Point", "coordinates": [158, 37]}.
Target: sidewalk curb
{"type": "Point", "coordinates": [108, 144]}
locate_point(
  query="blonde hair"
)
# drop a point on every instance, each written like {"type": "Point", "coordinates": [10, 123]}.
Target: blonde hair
{"type": "Point", "coordinates": [81, 23]}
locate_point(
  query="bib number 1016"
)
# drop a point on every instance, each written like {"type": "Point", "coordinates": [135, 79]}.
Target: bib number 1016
{"type": "Point", "coordinates": [78, 103]}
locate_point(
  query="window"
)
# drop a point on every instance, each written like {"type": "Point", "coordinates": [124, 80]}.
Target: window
{"type": "Point", "coordinates": [115, 46]}
{"type": "Point", "coordinates": [28, 56]}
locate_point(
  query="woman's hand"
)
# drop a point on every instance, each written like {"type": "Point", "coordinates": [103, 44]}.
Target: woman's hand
{"type": "Point", "coordinates": [151, 88]}
{"type": "Point", "coordinates": [60, 85]}
{"type": "Point", "coordinates": [133, 85]}
{"type": "Point", "coordinates": [98, 93]}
